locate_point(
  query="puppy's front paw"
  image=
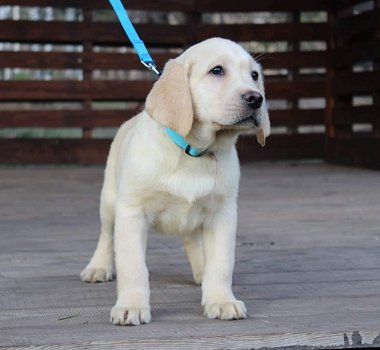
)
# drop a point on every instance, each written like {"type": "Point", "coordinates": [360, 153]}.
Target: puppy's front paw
{"type": "Point", "coordinates": [95, 275]}
{"type": "Point", "coordinates": [130, 316]}
{"type": "Point", "coordinates": [234, 310]}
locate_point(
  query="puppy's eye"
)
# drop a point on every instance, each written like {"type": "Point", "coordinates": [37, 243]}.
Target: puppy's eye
{"type": "Point", "coordinates": [217, 70]}
{"type": "Point", "coordinates": [255, 75]}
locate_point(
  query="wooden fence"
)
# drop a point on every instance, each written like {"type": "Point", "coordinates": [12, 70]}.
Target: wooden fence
{"type": "Point", "coordinates": [353, 115]}
{"type": "Point", "coordinates": [95, 81]}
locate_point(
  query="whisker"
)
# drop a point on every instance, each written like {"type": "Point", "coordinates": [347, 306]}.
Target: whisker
{"type": "Point", "coordinates": [261, 56]}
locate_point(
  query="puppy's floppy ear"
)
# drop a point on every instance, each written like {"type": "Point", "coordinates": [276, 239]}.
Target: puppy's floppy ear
{"type": "Point", "coordinates": [263, 129]}
{"type": "Point", "coordinates": [169, 101]}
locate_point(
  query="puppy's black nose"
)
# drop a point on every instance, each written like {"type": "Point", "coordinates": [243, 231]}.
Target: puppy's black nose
{"type": "Point", "coordinates": [253, 98]}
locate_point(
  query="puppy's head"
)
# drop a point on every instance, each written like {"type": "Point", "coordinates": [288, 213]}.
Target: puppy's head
{"type": "Point", "coordinates": [215, 82]}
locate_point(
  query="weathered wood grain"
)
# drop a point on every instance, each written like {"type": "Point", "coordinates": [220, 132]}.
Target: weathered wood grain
{"type": "Point", "coordinates": [187, 5]}
{"type": "Point", "coordinates": [355, 42]}
{"type": "Point", "coordinates": [307, 264]}
{"type": "Point", "coordinates": [95, 151]}
{"type": "Point", "coordinates": [114, 118]}
{"type": "Point", "coordinates": [127, 61]}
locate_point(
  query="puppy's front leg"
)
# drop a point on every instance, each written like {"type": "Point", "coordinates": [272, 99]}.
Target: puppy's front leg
{"type": "Point", "coordinates": [219, 238]}
{"type": "Point", "coordinates": [131, 232]}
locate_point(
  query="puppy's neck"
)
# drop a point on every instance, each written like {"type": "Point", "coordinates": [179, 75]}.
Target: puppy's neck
{"type": "Point", "coordinates": [209, 136]}
{"type": "Point", "coordinates": [204, 136]}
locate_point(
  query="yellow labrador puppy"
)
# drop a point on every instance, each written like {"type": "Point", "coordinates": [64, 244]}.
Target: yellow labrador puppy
{"type": "Point", "coordinates": [174, 168]}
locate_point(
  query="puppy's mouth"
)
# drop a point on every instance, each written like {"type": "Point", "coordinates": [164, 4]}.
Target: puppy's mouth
{"type": "Point", "coordinates": [245, 122]}
{"type": "Point", "coordinates": [250, 119]}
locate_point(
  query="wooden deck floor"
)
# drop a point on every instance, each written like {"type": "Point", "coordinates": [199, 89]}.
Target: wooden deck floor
{"type": "Point", "coordinates": [308, 264]}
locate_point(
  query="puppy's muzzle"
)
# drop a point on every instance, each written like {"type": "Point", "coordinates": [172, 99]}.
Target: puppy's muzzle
{"type": "Point", "coordinates": [253, 98]}
{"type": "Point", "coordinates": [254, 101]}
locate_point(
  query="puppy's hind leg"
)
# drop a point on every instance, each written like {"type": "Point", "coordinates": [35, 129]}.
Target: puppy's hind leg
{"type": "Point", "coordinates": [99, 269]}
{"type": "Point", "coordinates": [193, 245]}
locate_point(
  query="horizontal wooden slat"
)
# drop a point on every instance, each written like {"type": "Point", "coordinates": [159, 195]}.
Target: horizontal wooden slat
{"type": "Point", "coordinates": [356, 28]}
{"type": "Point", "coordinates": [94, 151]}
{"type": "Point", "coordinates": [125, 61]}
{"type": "Point", "coordinates": [53, 151]}
{"type": "Point", "coordinates": [162, 5]}
{"type": "Point", "coordinates": [187, 5]}
{"type": "Point", "coordinates": [358, 151]}
{"type": "Point", "coordinates": [104, 60]}
{"type": "Point", "coordinates": [282, 147]}
{"type": "Point", "coordinates": [270, 5]}
{"type": "Point", "coordinates": [53, 119]}
{"type": "Point", "coordinates": [74, 90]}
{"type": "Point", "coordinates": [156, 34]}
{"type": "Point", "coordinates": [264, 32]}
{"type": "Point", "coordinates": [344, 8]}
{"type": "Point", "coordinates": [357, 53]}
{"type": "Point", "coordinates": [295, 117]}
{"type": "Point", "coordinates": [72, 60]}
{"type": "Point", "coordinates": [295, 89]}
{"type": "Point", "coordinates": [41, 60]}
{"type": "Point", "coordinates": [273, 60]}
{"type": "Point", "coordinates": [77, 32]}
{"type": "Point", "coordinates": [114, 118]}
{"type": "Point", "coordinates": [356, 83]}
{"type": "Point", "coordinates": [295, 60]}
{"type": "Point", "coordinates": [128, 90]}
{"type": "Point", "coordinates": [359, 114]}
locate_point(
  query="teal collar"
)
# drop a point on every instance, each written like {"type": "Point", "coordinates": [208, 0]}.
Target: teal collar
{"type": "Point", "coordinates": [182, 143]}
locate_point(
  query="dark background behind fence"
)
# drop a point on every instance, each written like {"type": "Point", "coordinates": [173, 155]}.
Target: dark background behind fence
{"type": "Point", "coordinates": [69, 77]}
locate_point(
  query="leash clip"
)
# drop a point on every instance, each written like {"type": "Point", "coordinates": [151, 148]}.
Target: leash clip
{"type": "Point", "coordinates": [151, 66]}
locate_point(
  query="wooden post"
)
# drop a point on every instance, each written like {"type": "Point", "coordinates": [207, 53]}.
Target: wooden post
{"type": "Point", "coordinates": [376, 67]}
{"type": "Point", "coordinates": [293, 74]}
{"type": "Point", "coordinates": [87, 70]}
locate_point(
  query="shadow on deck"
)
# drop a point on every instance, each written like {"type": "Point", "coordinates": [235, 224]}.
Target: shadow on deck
{"type": "Point", "coordinates": [307, 266]}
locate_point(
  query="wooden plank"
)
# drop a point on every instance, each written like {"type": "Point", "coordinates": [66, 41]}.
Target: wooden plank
{"type": "Point", "coordinates": [114, 118]}
{"type": "Point", "coordinates": [65, 118]}
{"type": "Point", "coordinates": [136, 339]}
{"type": "Point", "coordinates": [273, 60]}
{"type": "Point", "coordinates": [362, 52]}
{"type": "Point", "coordinates": [123, 60]}
{"type": "Point", "coordinates": [77, 32]}
{"type": "Point", "coordinates": [298, 146]}
{"type": "Point", "coordinates": [186, 294]}
{"type": "Point", "coordinates": [294, 59]}
{"type": "Point", "coordinates": [271, 5]}
{"type": "Point", "coordinates": [74, 90]}
{"type": "Point", "coordinates": [318, 295]}
{"type": "Point", "coordinates": [37, 284]}
{"type": "Point", "coordinates": [359, 114]}
{"type": "Point", "coordinates": [41, 60]}
{"type": "Point", "coordinates": [132, 90]}
{"type": "Point", "coordinates": [295, 89]}
{"type": "Point", "coordinates": [358, 28]}
{"type": "Point", "coordinates": [356, 151]}
{"type": "Point", "coordinates": [295, 117]}
{"type": "Point", "coordinates": [97, 60]}
{"type": "Point", "coordinates": [53, 151]}
{"type": "Point", "coordinates": [155, 34]}
{"type": "Point", "coordinates": [187, 5]}
{"type": "Point", "coordinates": [349, 83]}
{"type": "Point", "coordinates": [264, 32]}
{"type": "Point", "coordinates": [162, 5]}
{"type": "Point", "coordinates": [94, 151]}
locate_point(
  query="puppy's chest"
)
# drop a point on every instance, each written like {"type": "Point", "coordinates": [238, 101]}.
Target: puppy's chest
{"type": "Point", "coordinates": [185, 200]}
{"type": "Point", "coordinates": [176, 216]}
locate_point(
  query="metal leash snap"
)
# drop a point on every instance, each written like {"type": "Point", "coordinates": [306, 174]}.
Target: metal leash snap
{"type": "Point", "coordinates": [152, 67]}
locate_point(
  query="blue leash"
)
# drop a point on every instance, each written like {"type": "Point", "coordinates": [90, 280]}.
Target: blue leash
{"type": "Point", "coordinates": [137, 43]}
{"type": "Point", "coordinates": [148, 62]}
